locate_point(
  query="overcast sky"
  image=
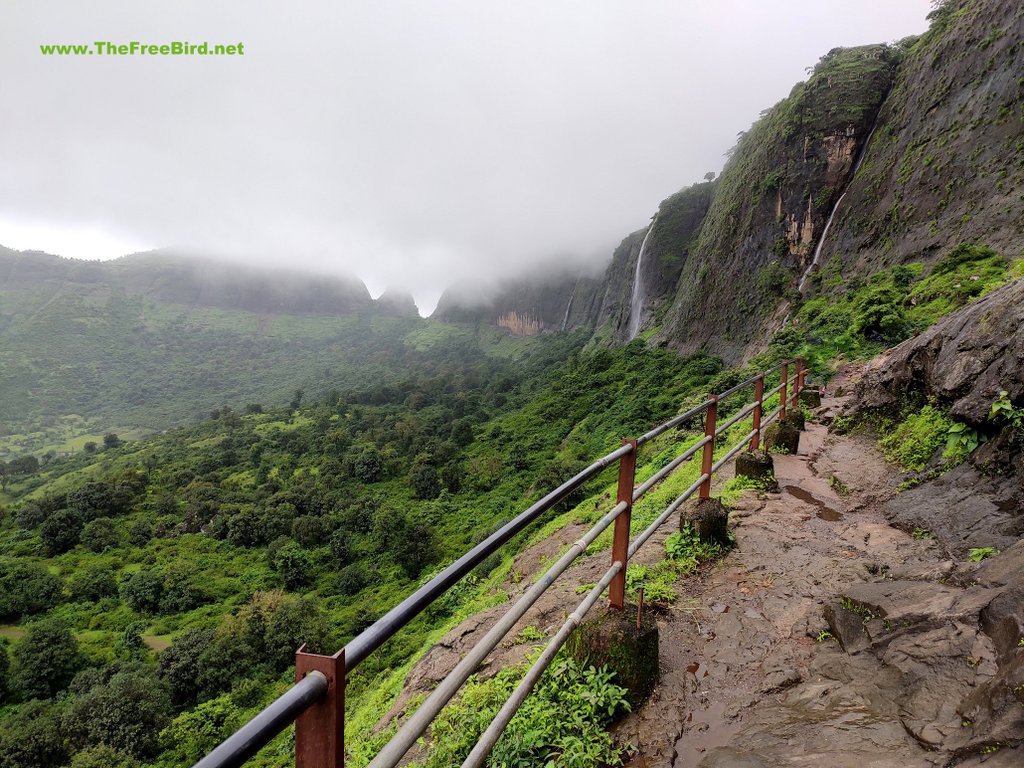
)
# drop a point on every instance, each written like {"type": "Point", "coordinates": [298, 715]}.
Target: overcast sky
{"type": "Point", "coordinates": [413, 143]}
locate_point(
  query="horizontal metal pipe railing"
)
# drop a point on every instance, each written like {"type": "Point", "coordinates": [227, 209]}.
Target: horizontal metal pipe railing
{"type": "Point", "coordinates": [674, 422]}
{"type": "Point", "coordinates": [511, 706]}
{"type": "Point", "coordinates": [258, 732]}
{"type": "Point", "coordinates": [665, 471]}
{"type": "Point", "coordinates": [417, 724]}
{"type": "Point", "coordinates": [739, 416]}
{"type": "Point", "coordinates": [284, 710]}
{"type": "Point", "coordinates": [381, 630]}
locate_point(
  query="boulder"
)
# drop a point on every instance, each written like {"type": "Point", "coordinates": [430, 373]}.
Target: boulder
{"type": "Point", "coordinates": [810, 398]}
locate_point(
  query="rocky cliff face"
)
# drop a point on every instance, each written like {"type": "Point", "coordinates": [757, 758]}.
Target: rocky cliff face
{"type": "Point", "coordinates": [560, 302]}
{"type": "Point", "coordinates": [901, 151]}
{"type": "Point", "coordinates": [946, 162]}
{"type": "Point", "coordinates": [773, 200]}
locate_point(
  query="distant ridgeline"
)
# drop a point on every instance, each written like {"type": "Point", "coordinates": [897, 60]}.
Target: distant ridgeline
{"type": "Point", "coordinates": [151, 340]}
{"type": "Point", "coordinates": [909, 150]}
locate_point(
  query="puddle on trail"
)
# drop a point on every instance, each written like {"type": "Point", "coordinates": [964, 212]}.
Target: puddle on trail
{"type": "Point", "coordinates": [825, 512]}
{"type": "Point", "coordinates": [705, 729]}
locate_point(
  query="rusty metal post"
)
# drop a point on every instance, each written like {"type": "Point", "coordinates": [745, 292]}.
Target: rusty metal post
{"type": "Point", "coordinates": [708, 457]}
{"type": "Point", "coordinates": [320, 730]}
{"type": "Point", "coordinates": [755, 441]}
{"type": "Point", "coordinates": [797, 383]}
{"type": "Point", "coordinates": [782, 392]}
{"type": "Point", "coordinates": [620, 536]}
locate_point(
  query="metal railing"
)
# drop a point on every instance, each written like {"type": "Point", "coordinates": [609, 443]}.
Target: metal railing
{"type": "Point", "coordinates": [316, 703]}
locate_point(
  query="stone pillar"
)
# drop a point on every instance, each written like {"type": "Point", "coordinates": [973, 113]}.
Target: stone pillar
{"type": "Point", "coordinates": [710, 520]}
{"type": "Point", "coordinates": [612, 639]}
{"type": "Point", "coordinates": [757, 466]}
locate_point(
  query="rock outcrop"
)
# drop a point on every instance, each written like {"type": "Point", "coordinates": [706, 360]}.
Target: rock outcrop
{"type": "Point", "coordinates": [963, 363]}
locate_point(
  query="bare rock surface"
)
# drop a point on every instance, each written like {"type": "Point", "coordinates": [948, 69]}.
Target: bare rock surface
{"type": "Point", "coordinates": [826, 636]}
{"type": "Point", "coordinates": [830, 636]}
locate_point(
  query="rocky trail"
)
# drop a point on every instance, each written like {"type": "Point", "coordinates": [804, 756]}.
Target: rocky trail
{"type": "Point", "coordinates": [829, 635]}
{"type": "Point", "coordinates": [826, 634]}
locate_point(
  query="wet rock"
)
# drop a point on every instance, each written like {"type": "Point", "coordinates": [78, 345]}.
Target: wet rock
{"type": "Point", "coordinates": [1003, 621]}
{"type": "Point", "coordinates": [612, 639]}
{"type": "Point", "coordinates": [756, 465]}
{"type": "Point", "coordinates": [847, 627]}
{"type": "Point", "coordinates": [962, 508]}
{"type": "Point", "coordinates": [964, 359]}
{"type": "Point", "coordinates": [710, 520]}
{"type": "Point", "coordinates": [1007, 568]}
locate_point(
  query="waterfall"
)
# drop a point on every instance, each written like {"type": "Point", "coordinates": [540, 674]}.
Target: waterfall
{"type": "Point", "coordinates": [637, 300]}
{"type": "Point", "coordinates": [835, 209]}
{"type": "Point", "coordinates": [565, 320]}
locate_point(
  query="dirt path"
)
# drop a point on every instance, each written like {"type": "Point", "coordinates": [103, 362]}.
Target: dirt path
{"type": "Point", "coordinates": [750, 676]}
{"type": "Point", "coordinates": [751, 673]}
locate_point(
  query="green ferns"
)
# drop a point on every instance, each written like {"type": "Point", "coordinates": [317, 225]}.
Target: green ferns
{"type": "Point", "coordinates": [562, 722]}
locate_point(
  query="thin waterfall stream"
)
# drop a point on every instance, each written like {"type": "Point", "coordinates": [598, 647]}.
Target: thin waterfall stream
{"type": "Point", "coordinates": [816, 261]}
{"type": "Point", "coordinates": [637, 299]}
{"type": "Point", "coordinates": [568, 307]}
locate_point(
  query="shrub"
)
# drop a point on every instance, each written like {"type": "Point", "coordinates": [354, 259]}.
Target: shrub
{"type": "Point", "coordinates": [191, 735]}
{"type": "Point", "coordinates": [92, 583]}
{"type": "Point", "coordinates": [916, 439]}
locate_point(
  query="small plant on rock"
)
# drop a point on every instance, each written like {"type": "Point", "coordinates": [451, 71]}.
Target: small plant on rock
{"type": "Point", "coordinates": [978, 554]}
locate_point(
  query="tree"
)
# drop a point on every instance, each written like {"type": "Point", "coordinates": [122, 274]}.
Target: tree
{"type": "Point", "coordinates": [61, 531]}
{"type": "Point", "coordinates": [32, 738]}
{"type": "Point", "coordinates": [142, 591]}
{"type": "Point", "coordinates": [368, 466]}
{"type": "Point", "coordinates": [100, 534]}
{"type": "Point", "coordinates": [294, 565]}
{"type": "Point", "coordinates": [126, 713]}
{"type": "Point", "coordinates": [709, 176]}
{"type": "Point", "coordinates": [341, 546]}
{"type": "Point", "coordinates": [179, 664]}
{"type": "Point", "coordinates": [24, 465]}
{"type": "Point", "coordinates": [26, 588]}
{"type": "Point", "coordinates": [181, 589]}
{"type": "Point", "coordinates": [424, 481]}
{"type": "Point", "coordinates": [308, 530]}
{"type": "Point", "coordinates": [92, 583]}
{"type": "Point", "coordinates": [111, 440]}
{"type": "Point", "coordinates": [89, 447]}
{"type": "Point", "coordinates": [46, 659]}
